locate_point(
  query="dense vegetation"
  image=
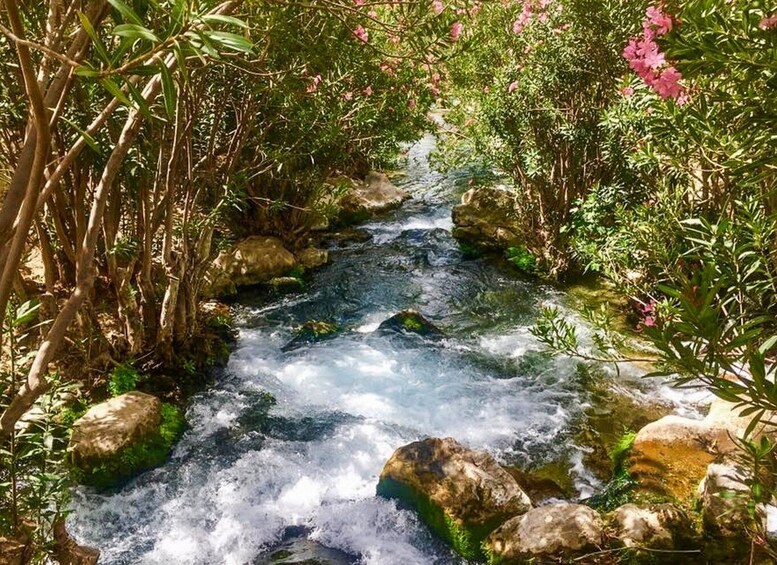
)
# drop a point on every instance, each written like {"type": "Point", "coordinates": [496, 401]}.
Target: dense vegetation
{"type": "Point", "coordinates": [140, 138]}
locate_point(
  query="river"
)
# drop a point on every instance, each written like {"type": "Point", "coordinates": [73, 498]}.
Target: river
{"type": "Point", "coordinates": [292, 479]}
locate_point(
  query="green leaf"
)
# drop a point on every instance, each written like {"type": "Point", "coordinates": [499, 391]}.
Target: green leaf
{"type": "Point", "coordinates": [126, 12]}
{"type": "Point", "coordinates": [230, 41]}
{"type": "Point", "coordinates": [26, 313]}
{"type": "Point", "coordinates": [222, 19]}
{"type": "Point", "coordinates": [90, 141]}
{"type": "Point", "coordinates": [134, 31]}
{"type": "Point", "coordinates": [169, 93]}
{"type": "Point", "coordinates": [114, 89]}
{"type": "Point", "coordinates": [98, 45]}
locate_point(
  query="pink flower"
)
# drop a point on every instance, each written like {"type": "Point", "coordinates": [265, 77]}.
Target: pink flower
{"type": "Point", "coordinates": [658, 20]}
{"type": "Point", "coordinates": [368, 91]}
{"type": "Point", "coordinates": [627, 91]}
{"type": "Point", "coordinates": [359, 2]}
{"type": "Point", "coordinates": [438, 7]}
{"type": "Point", "coordinates": [768, 23]}
{"type": "Point", "coordinates": [411, 104]}
{"type": "Point", "coordinates": [361, 34]}
{"type": "Point", "coordinates": [313, 85]}
{"type": "Point", "coordinates": [513, 87]}
{"type": "Point", "coordinates": [456, 30]}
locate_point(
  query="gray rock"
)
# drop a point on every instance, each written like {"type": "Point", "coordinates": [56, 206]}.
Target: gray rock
{"type": "Point", "coordinates": [312, 258]}
{"type": "Point", "coordinates": [252, 261]}
{"type": "Point", "coordinates": [375, 195]}
{"type": "Point", "coordinates": [557, 531]}
{"type": "Point", "coordinates": [724, 496]}
{"type": "Point", "coordinates": [487, 218]}
{"type": "Point", "coordinates": [663, 526]}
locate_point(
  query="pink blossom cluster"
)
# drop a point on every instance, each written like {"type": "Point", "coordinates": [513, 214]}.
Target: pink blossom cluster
{"type": "Point", "coordinates": [768, 23]}
{"type": "Point", "coordinates": [646, 59]}
{"type": "Point", "coordinates": [532, 10]}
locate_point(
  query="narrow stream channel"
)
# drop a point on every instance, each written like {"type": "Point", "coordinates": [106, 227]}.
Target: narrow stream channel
{"type": "Point", "coordinates": [252, 479]}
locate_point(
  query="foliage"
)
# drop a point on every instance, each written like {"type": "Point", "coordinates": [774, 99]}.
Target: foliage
{"type": "Point", "coordinates": [33, 482]}
{"type": "Point", "coordinates": [522, 258]}
{"type": "Point", "coordinates": [123, 379]}
{"type": "Point", "coordinates": [530, 96]}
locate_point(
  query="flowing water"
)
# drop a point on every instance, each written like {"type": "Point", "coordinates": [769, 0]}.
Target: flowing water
{"type": "Point", "coordinates": [253, 477]}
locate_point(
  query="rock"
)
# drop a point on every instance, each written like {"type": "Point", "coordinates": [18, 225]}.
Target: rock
{"type": "Point", "coordinates": [296, 548]}
{"type": "Point", "coordinates": [312, 258]}
{"type": "Point", "coordinates": [539, 489]}
{"type": "Point", "coordinates": [311, 332]}
{"type": "Point", "coordinates": [557, 531]}
{"type": "Point", "coordinates": [487, 218]}
{"type": "Point", "coordinates": [662, 526]}
{"type": "Point", "coordinates": [461, 494]}
{"type": "Point", "coordinates": [670, 456]}
{"type": "Point", "coordinates": [286, 284]}
{"type": "Point", "coordinates": [375, 195]}
{"type": "Point", "coordinates": [121, 437]}
{"type": "Point", "coordinates": [252, 261]}
{"type": "Point", "coordinates": [112, 426]}
{"type": "Point", "coordinates": [69, 552]}
{"type": "Point", "coordinates": [410, 321]}
{"type": "Point", "coordinates": [12, 552]}
{"type": "Point", "coordinates": [724, 496]}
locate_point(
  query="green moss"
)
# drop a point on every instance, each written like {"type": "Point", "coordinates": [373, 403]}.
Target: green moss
{"type": "Point", "coordinates": [620, 450]}
{"type": "Point", "coordinates": [411, 324]}
{"type": "Point", "coordinates": [465, 540]}
{"type": "Point", "coordinates": [138, 458]}
{"type": "Point", "coordinates": [123, 379]}
{"type": "Point", "coordinates": [522, 258]}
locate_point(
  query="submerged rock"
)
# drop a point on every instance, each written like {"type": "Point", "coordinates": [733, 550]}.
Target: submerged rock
{"type": "Point", "coordinates": [410, 321]}
{"type": "Point", "coordinates": [122, 437]}
{"type": "Point", "coordinates": [554, 532]}
{"type": "Point", "coordinates": [252, 261]}
{"type": "Point", "coordinates": [461, 494]}
{"type": "Point", "coordinates": [298, 549]}
{"type": "Point", "coordinates": [311, 332]}
{"type": "Point", "coordinates": [487, 218]}
{"type": "Point", "coordinates": [375, 195]}
{"type": "Point", "coordinates": [662, 526]}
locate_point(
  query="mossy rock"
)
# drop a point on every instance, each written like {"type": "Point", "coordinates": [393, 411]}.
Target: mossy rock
{"type": "Point", "coordinates": [465, 540]}
{"type": "Point", "coordinates": [312, 332]}
{"type": "Point", "coordinates": [137, 457]}
{"type": "Point", "coordinates": [461, 494]}
{"type": "Point", "coordinates": [411, 321]}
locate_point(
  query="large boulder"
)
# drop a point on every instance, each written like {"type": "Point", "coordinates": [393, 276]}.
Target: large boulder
{"type": "Point", "coordinates": [549, 533]}
{"type": "Point", "coordinates": [121, 437]}
{"type": "Point", "coordinates": [670, 456]}
{"type": "Point", "coordinates": [487, 218]}
{"type": "Point", "coordinates": [311, 332]}
{"type": "Point", "coordinates": [252, 261]}
{"type": "Point", "coordinates": [375, 195]}
{"type": "Point", "coordinates": [461, 494]}
{"type": "Point", "coordinates": [662, 526]}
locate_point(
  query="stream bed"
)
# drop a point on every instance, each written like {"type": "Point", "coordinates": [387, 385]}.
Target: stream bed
{"type": "Point", "coordinates": [283, 453]}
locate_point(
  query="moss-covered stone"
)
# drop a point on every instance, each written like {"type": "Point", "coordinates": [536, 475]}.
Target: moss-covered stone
{"type": "Point", "coordinates": [465, 540]}
{"type": "Point", "coordinates": [129, 462]}
{"type": "Point", "coordinates": [312, 332]}
{"type": "Point", "coordinates": [462, 495]}
{"type": "Point", "coordinates": [410, 321]}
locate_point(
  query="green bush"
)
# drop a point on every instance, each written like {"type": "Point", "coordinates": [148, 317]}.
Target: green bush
{"type": "Point", "coordinates": [123, 379]}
